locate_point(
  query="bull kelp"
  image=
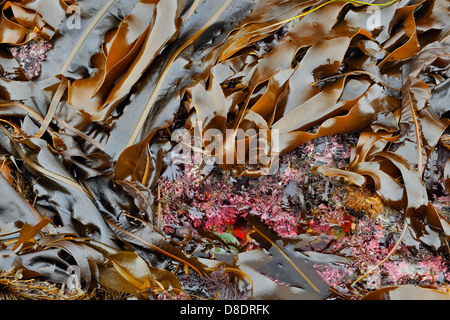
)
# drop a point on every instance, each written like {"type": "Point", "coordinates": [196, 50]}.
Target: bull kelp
{"type": "Point", "coordinates": [232, 149]}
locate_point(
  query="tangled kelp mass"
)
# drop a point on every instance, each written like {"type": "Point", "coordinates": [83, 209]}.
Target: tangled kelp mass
{"type": "Point", "coordinates": [96, 192]}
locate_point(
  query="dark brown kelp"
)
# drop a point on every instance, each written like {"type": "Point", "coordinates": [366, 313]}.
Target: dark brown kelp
{"type": "Point", "coordinates": [83, 145]}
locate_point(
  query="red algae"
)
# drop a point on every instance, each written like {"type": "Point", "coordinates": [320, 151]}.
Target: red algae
{"type": "Point", "coordinates": [30, 56]}
{"type": "Point", "coordinates": [353, 223]}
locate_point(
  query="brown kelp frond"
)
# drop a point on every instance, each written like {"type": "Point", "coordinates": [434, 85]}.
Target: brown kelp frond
{"type": "Point", "coordinates": [295, 264]}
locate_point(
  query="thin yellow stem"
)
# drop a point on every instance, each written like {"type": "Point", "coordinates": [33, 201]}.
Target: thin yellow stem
{"type": "Point", "coordinates": [418, 138]}
{"type": "Point", "coordinates": [355, 72]}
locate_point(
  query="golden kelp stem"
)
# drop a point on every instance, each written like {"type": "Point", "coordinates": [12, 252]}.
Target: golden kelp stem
{"type": "Point", "coordinates": [418, 138]}
{"type": "Point", "coordinates": [52, 108]}
{"type": "Point", "coordinates": [288, 259]}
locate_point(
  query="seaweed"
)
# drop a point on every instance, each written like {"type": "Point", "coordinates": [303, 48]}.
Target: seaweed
{"type": "Point", "coordinates": [161, 146]}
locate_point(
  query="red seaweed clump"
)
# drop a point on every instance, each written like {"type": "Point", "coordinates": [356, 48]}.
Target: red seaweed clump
{"type": "Point", "coordinates": [30, 55]}
{"type": "Point", "coordinates": [350, 222]}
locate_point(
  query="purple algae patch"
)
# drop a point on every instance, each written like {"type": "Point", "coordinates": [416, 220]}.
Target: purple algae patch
{"type": "Point", "coordinates": [30, 56]}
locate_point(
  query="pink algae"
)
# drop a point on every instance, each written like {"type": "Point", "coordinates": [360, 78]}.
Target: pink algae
{"type": "Point", "coordinates": [294, 202]}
